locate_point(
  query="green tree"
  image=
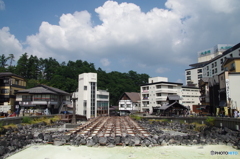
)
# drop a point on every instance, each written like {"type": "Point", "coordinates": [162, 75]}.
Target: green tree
{"type": "Point", "coordinates": [3, 60]}
{"type": "Point", "coordinates": [11, 57]}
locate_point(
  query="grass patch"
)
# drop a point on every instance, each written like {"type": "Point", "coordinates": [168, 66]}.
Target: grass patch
{"type": "Point", "coordinates": [136, 117]}
{"type": "Point", "coordinates": [210, 121]}
{"type": "Point", "coordinates": [159, 120]}
{"type": "Point", "coordinates": [198, 127]}
{"type": "Point", "coordinates": [26, 120]}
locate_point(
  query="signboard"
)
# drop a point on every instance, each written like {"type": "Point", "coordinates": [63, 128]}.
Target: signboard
{"type": "Point", "coordinates": [222, 47]}
{"type": "Point", "coordinates": [206, 52]}
{"type": "Point", "coordinates": [227, 89]}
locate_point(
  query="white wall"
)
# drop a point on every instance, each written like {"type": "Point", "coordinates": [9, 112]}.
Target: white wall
{"type": "Point", "coordinates": [234, 88]}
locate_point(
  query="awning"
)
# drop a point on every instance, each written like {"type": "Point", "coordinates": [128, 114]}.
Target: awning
{"type": "Point", "coordinates": [222, 103]}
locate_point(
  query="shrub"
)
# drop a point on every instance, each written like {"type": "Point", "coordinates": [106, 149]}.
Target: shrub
{"type": "Point", "coordinates": [210, 121]}
{"type": "Point", "coordinates": [136, 117]}
{"type": "Point", "coordinates": [26, 120]}
{"type": "Point", "coordinates": [198, 127]}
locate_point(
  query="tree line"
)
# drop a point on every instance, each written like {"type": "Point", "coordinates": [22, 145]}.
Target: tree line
{"type": "Point", "coordinates": [64, 75]}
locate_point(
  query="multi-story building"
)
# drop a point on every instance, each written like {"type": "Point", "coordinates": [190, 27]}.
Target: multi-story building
{"type": "Point", "coordinates": [90, 101]}
{"type": "Point", "coordinates": [9, 84]}
{"type": "Point", "coordinates": [229, 86]}
{"type": "Point", "coordinates": [195, 73]}
{"type": "Point", "coordinates": [214, 71]}
{"type": "Point", "coordinates": [41, 97]}
{"type": "Point", "coordinates": [155, 93]}
{"type": "Point", "coordinates": [190, 96]}
{"type": "Point", "coordinates": [129, 101]}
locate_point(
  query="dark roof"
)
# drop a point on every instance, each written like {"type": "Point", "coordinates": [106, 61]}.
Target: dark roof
{"type": "Point", "coordinates": [9, 74]}
{"type": "Point", "coordinates": [173, 97]}
{"type": "Point", "coordinates": [237, 46]}
{"type": "Point", "coordinates": [162, 82]}
{"type": "Point", "coordinates": [224, 53]}
{"type": "Point", "coordinates": [192, 87]}
{"type": "Point", "coordinates": [43, 89]}
{"type": "Point", "coordinates": [134, 96]}
{"type": "Point", "coordinates": [165, 107]}
{"type": "Point", "coordinates": [197, 65]}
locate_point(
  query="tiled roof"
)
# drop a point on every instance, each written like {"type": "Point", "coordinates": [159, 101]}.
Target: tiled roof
{"type": "Point", "coordinates": [134, 96]}
{"type": "Point", "coordinates": [173, 97]}
{"type": "Point", "coordinates": [43, 89]}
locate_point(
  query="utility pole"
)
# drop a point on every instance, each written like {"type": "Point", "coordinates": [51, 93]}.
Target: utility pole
{"type": "Point", "coordinates": [74, 98]}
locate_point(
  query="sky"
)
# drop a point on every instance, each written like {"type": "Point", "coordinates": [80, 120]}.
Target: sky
{"type": "Point", "coordinates": [157, 37]}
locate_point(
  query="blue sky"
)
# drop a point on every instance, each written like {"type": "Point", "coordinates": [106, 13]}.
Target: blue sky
{"type": "Point", "coordinates": [156, 37]}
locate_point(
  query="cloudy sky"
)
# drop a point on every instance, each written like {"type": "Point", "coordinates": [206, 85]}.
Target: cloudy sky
{"type": "Point", "coordinates": [156, 37]}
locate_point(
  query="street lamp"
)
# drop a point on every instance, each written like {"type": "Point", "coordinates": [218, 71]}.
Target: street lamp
{"type": "Point", "coordinates": [74, 98]}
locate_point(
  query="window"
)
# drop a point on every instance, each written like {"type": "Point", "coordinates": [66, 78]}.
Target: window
{"type": "Point", "coordinates": [17, 82]}
{"type": "Point", "coordinates": [4, 91]}
{"type": "Point", "coordinates": [232, 67]}
{"type": "Point", "coordinates": [26, 98]}
{"type": "Point", "coordinates": [199, 76]}
{"type": "Point", "coordinates": [158, 86]}
{"type": "Point", "coordinates": [231, 55]}
{"type": "Point", "coordinates": [215, 70]}
{"type": "Point", "coordinates": [6, 81]}
{"type": "Point", "coordinates": [207, 73]}
{"type": "Point", "coordinates": [128, 105]}
{"type": "Point", "coordinates": [188, 77]}
{"type": "Point", "coordinates": [159, 94]}
{"type": "Point", "coordinates": [215, 64]}
{"type": "Point", "coordinates": [188, 72]}
{"type": "Point", "coordinates": [199, 70]}
{"type": "Point", "coordinates": [85, 103]}
{"type": "Point", "coordinates": [212, 65]}
{"type": "Point", "coordinates": [226, 69]}
{"type": "Point", "coordinates": [102, 96]}
{"type": "Point", "coordinates": [212, 71]}
{"type": "Point", "coordinates": [222, 68]}
{"type": "Point", "coordinates": [85, 87]}
{"type": "Point", "coordinates": [207, 68]}
{"type": "Point", "coordinates": [122, 105]}
{"type": "Point", "coordinates": [170, 87]}
{"type": "Point", "coordinates": [221, 61]}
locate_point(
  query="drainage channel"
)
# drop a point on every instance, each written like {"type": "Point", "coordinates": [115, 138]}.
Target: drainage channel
{"type": "Point", "coordinates": [110, 126]}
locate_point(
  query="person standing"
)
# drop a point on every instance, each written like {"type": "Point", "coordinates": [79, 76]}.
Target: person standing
{"type": "Point", "coordinates": [235, 113]}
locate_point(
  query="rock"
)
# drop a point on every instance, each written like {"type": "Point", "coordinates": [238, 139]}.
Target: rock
{"type": "Point", "coordinates": [164, 143]}
{"type": "Point", "coordinates": [83, 141]}
{"type": "Point", "coordinates": [102, 140]}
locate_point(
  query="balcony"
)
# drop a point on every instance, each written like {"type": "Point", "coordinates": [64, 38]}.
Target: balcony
{"type": "Point", "coordinates": [145, 91]}
{"type": "Point", "coordinates": [145, 98]}
{"type": "Point", "coordinates": [166, 91]}
{"type": "Point", "coordinates": [161, 98]}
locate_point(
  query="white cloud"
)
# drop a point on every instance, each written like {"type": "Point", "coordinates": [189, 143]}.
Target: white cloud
{"type": "Point", "coordinates": [2, 5]}
{"type": "Point", "coordinates": [9, 44]}
{"type": "Point", "coordinates": [105, 62]}
{"type": "Point", "coordinates": [162, 70]}
{"type": "Point", "coordinates": [138, 40]}
{"type": "Point", "coordinates": [179, 81]}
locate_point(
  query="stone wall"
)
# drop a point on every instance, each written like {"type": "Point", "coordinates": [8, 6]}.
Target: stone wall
{"type": "Point", "coordinates": [161, 133]}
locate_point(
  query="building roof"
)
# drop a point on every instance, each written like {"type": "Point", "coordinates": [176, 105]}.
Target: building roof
{"type": "Point", "coordinates": [133, 96]}
{"type": "Point", "coordinates": [9, 74]}
{"type": "Point", "coordinates": [165, 107]}
{"type": "Point", "coordinates": [43, 89]}
{"type": "Point", "coordinates": [197, 65]}
{"type": "Point", "coordinates": [163, 83]}
{"type": "Point", "coordinates": [173, 97]}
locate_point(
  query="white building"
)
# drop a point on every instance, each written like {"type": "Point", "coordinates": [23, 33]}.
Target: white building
{"type": "Point", "coordinates": [190, 96]}
{"type": "Point", "coordinates": [130, 101]}
{"type": "Point", "coordinates": [195, 73]}
{"type": "Point", "coordinates": [154, 94]}
{"type": "Point", "coordinates": [90, 101]}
